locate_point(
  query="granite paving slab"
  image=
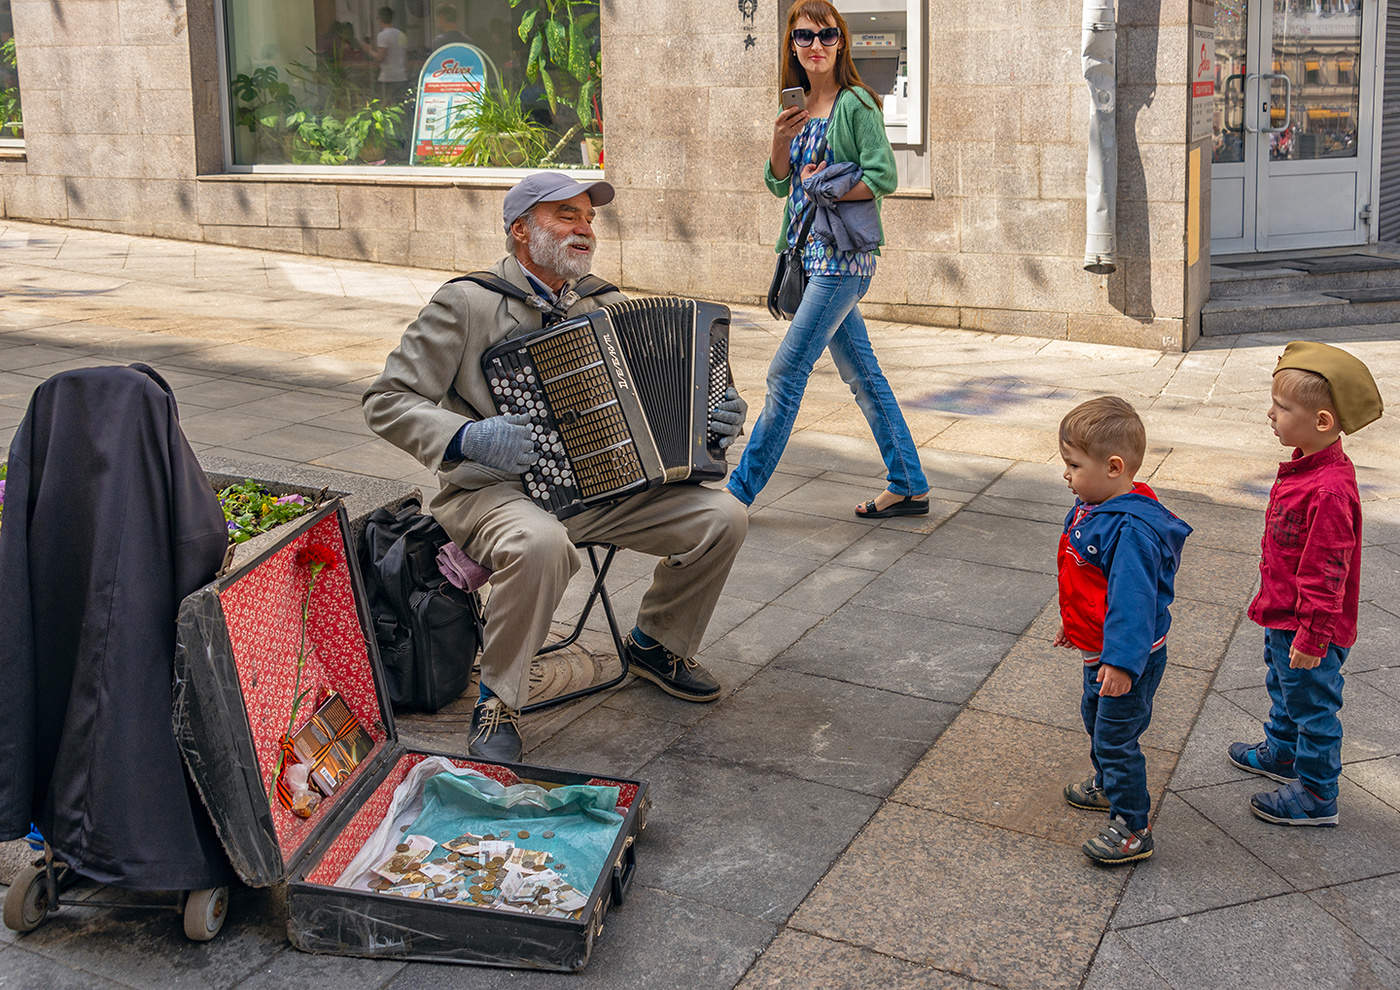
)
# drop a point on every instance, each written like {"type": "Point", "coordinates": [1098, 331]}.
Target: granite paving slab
{"type": "Point", "coordinates": [760, 638]}
{"type": "Point", "coordinates": [743, 840]}
{"type": "Point", "coordinates": [826, 589]}
{"type": "Point", "coordinates": [222, 393]}
{"type": "Point", "coordinates": [1385, 679]}
{"type": "Point", "coordinates": [1011, 773]}
{"type": "Point", "coordinates": [968, 902]}
{"type": "Point", "coordinates": [797, 534]}
{"type": "Point", "coordinates": [797, 961]}
{"type": "Point", "coordinates": [22, 968]}
{"type": "Point", "coordinates": [606, 741]}
{"type": "Point", "coordinates": [895, 651]}
{"type": "Point", "coordinates": [827, 731]}
{"type": "Point", "coordinates": [1365, 844]}
{"type": "Point", "coordinates": [760, 575]}
{"type": "Point", "coordinates": [1200, 633]}
{"type": "Point", "coordinates": [296, 443]}
{"type": "Point", "coordinates": [219, 427]}
{"type": "Point", "coordinates": [877, 548]}
{"type": "Point", "coordinates": [704, 947]}
{"type": "Point", "coordinates": [1195, 867]}
{"type": "Point", "coordinates": [1015, 508]}
{"type": "Point", "coordinates": [144, 948]}
{"type": "Point", "coordinates": [838, 500]}
{"type": "Point", "coordinates": [970, 594]}
{"type": "Point", "coordinates": [1203, 761]}
{"type": "Point", "coordinates": [1219, 576]}
{"type": "Point", "coordinates": [1377, 632]}
{"type": "Point", "coordinates": [1031, 482]}
{"type": "Point", "coordinates": [728, 614]}
{"type": "Point", "coordinates": [986, 539]}
{"type": "Point", "coordinates": [1381, 778]}
{"type": "Point", "coordinates": [293, 968]}
{"type": "Point", "coordinates": [1370, 908]}
{"type": "Point", "coordinates": [1045, 683]}
{"type": "Point", "coordinates": [1244, 664]}
{"type": "Point", "coordinates": [646, 699]}
{"type": "Point", "coordinates": [1117, 965]}
{"type": "Point", "coordinates": [1240, 947]}
{"type": "Point", "coordinates": [1380, 575]}
{"type": "Point", "coordinates": [1220, 527]}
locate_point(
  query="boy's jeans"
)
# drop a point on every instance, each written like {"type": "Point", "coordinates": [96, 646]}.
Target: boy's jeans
{"type": "Point", "coordinates": [1303, 725]}
{"type": "Point", "coordinates": [1115, 725]}
{"type": "Point", "coordinates": [828, 317]}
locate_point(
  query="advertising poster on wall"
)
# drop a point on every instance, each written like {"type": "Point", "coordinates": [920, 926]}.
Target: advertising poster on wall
{"type": "Point", "coordinates": [448, 86]}
{"type": "Point", "coordinates": [1202, 81]}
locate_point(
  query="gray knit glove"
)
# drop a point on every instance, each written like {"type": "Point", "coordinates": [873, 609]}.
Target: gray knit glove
{"type": "Point", "coordinates": [505, 443]}
{"type": "Point", "coordinates": [727, 418]}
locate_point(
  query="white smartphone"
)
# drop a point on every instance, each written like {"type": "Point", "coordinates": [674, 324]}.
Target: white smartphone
{"type": "Point", "coordinates": [793, 97]}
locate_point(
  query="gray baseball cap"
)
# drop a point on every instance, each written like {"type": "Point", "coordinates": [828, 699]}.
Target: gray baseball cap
{"type": "Point", "coordinates": [550, 187]}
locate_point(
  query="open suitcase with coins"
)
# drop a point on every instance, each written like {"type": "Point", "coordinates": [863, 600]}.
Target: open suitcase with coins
{"type": "Point", "coordinates": [281, 628]}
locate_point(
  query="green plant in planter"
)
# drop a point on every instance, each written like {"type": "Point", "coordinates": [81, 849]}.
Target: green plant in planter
{"type": "Point", "coordinates": [250, 509]}
{"type": "Point", "coordinates": [325, 139]}
{"type": "Point", "coordinates": [497, 132]}
{"type": "Point", "coordinates": [557, 36]}
{"type": "Point", "coordinates": [10, 116]}
{"type": "Point", "coordinates": [264, 104]}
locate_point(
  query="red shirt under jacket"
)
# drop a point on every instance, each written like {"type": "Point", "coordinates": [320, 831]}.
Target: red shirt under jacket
{"type": "Point", "coordinates": [1310, 570]}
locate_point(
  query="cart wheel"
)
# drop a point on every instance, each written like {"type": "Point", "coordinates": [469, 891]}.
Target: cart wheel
{"type": "Point", "coordinates": [27, 903]}
{"type": "Point", "coordinates": [205, 912]}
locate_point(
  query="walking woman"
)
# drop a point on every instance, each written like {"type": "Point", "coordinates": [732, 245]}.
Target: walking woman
{"type": "Point", "coordinates": [843, 121]}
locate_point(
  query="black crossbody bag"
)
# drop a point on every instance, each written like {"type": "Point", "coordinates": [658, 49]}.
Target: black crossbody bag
{"type": "Point", "coordinates": [789, 280]}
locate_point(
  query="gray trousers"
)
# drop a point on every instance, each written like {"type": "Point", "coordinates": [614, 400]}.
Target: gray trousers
{"type": "Point", "coordinates": [696, 531]}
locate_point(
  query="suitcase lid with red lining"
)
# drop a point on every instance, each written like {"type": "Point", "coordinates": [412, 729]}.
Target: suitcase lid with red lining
{"type": "Point", "coordinates": [237, 643]}
{"type": "Point", "coordinates": [237, 640]}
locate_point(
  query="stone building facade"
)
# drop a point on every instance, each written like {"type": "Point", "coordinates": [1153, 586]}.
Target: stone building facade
{"type": "Point", "coordinates": [125, 130]}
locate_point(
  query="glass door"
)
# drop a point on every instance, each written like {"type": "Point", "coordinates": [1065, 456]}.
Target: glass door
{"type": "Point", "coordinates": [1292, 162]}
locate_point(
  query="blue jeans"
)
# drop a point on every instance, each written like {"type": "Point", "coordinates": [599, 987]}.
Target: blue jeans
{"type": "Point", "coordinates": [828, 317]}
{"type": "Point", "coordinates": [1303, 725]}
{"type": "Point", "coordinates": [1115, 725]}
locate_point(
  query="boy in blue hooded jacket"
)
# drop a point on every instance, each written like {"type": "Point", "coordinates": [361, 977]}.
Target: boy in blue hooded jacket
{"type": "Point", "coordinates": [1117, 566]}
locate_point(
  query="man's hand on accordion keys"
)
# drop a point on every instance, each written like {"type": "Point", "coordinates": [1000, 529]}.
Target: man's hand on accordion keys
{"type": "Point", "coordinates": [727, 418]}
{"type": "Point", "coordinates": [505, 443]}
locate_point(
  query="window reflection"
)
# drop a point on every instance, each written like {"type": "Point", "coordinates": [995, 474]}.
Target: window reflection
{"type": "Point", "coordinates": [11, 117]}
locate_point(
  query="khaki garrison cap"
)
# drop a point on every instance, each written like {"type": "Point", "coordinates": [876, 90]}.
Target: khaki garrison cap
{"type": "Point", "coordinates": [1354, 392]}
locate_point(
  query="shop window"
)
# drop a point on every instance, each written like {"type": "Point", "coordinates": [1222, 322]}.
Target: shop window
{"type": "Point", "coordinates": [11, 116]}
{"type": "Point", "coordinates": [426, 83]}
{"type": "Point", "coordinates": [1346, 71]}
{"type": "Point", "coordinates": [887, 47]}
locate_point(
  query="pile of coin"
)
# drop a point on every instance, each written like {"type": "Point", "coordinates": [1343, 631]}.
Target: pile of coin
{"type": "Point", "coordinates": [481, 870]}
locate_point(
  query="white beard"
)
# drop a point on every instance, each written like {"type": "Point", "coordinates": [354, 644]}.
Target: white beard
{"type": "Point", "coordinates": [557, 254]}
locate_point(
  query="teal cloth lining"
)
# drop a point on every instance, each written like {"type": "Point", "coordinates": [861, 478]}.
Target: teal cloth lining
{"type": "Point", "coordinates": [583, 818]}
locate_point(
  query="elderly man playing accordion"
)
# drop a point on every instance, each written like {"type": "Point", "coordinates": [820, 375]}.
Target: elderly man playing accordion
{"type": "Point", "coordinates": [433, 401]}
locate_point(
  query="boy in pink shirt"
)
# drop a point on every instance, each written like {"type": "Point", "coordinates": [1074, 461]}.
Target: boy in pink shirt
{"type": "Point", "coordinates": [1310, 581]}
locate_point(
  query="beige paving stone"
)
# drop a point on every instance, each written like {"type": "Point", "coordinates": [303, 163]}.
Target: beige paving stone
{"type": "Point", "coordinates": [793, 959]}
{"type": "Point", "coordinates": [977, 436]}
{"type": "Point", "coordinates": [969, 901]}
{"type": "Point", "coordinates": [1044, 683]}
{"type": "Point", "coordinates": [1010, 772]}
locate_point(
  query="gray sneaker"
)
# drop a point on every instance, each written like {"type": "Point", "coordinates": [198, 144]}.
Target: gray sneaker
{"type": "Point", "coordinates": [1087, 795]}
{"type": "Point", "coordinates": [1117, 844]}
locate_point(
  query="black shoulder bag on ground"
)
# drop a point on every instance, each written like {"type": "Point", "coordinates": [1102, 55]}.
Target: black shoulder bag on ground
{"type": "Point", "coordinates": [429, 631]}
{"type": "Point", "coordinates": [789, 277]}
{"type": "Point", "coordinates": [589, 285]}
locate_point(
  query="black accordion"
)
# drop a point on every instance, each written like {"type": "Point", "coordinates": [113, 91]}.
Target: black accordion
{"type": "Point", "coordinates": [619, 399]}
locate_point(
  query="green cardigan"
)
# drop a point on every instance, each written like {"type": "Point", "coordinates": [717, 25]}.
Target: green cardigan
{"type": "Point", "coordinates": [856, 133]}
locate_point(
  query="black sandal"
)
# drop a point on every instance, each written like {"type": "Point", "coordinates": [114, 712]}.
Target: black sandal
{"type": "Point", "coordinates": [907, 506]}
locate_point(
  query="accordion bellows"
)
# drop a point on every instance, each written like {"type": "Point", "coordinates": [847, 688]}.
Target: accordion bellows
{"type": "Point", "coordinates": [619, 399]}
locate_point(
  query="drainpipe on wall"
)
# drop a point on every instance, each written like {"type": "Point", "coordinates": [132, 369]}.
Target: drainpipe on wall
{"type": "Point", "coordinates": [1101, 172]}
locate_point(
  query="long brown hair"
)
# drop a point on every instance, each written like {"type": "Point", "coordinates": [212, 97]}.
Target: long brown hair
{"type": "Point", "coordinates": [820, 12]}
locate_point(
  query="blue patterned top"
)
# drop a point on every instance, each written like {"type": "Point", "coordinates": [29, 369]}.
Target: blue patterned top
{"type": "Point", "coordinates": [818, 257]}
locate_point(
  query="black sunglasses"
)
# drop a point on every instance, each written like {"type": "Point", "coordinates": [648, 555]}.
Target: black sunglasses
{"type": "Point", "coordinates": [803, 38]}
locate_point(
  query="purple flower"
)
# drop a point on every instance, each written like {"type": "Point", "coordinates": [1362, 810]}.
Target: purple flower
{"type": "Point", "coordinates": [290, 499]}
{"type": "Point", "coordinates": [2, 491]}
